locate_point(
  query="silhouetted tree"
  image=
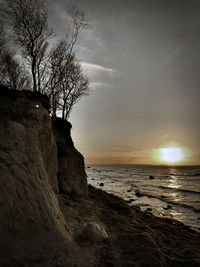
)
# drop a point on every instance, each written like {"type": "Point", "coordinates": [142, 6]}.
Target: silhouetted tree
{"type": "Point", "coordinates": [57, 73]}
{"type": "Point", "coordinates": [78, 23]}
{"type": "Point", "coordinates": [67, 83]}
{"type": "Point", "coordinates": [11, 72]}
{"type": "Point", "coordinates": [73, 86]}
{"type": "Point", "coordinates": [2, 48]}
{"type": "Point", "coordinates": [28, 21]}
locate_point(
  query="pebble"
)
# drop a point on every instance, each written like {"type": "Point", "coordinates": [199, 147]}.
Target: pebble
{"type": "Point", "coordinates": [168, 207]}
{"type": "Point", "coordinates": [138, 193]}
{"type": "Point", "coordinates": [131, 200]}
{"type": "Point", "coordinates": [151, 177]}
{"type": "Point", "coordinates": [149, 209]}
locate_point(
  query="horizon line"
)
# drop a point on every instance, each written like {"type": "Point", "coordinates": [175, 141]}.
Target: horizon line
{"type": "Point", "coordinates": [141, 164]}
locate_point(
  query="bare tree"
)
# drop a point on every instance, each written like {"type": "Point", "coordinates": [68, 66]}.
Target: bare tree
{"type": "Point", "coordinates": [12, 74]}
{"type": "Point", "coordinates": [28, 20]}
{"type": "Point", "coordinates": [56, 70]}
{"type": "Point", "coordinates": [57, 73]}
{"type": "Point", "coordinates": [2, 48]}
{"type": "Point", "coordinates": [2, 38]}
{"type": "Point", "coordinates": [73, 86]}
{"type": "Point", "coordinates": [67, 83]}
{"type": "Point", "coordinates": [78, 23]}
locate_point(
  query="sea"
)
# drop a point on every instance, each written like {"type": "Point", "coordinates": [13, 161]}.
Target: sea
{"type": "Point", "coordinates": [171, 192]}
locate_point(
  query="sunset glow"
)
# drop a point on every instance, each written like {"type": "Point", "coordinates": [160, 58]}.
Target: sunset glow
{"type": "Point", "coordinates": [172, 153]}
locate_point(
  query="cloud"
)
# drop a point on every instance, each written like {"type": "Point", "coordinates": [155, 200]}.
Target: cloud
{"type": "Point", "coordinates": [94, 67]}
{"type": "Point", "coordinates": [99, 75]}
{"type": "Point", "coordinates": [99, 84]}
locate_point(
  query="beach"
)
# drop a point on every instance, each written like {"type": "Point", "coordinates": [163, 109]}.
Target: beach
{"type": "Point", "coordinates": [134, 238]}
{"type": "Point", "coordinates": [167, 192]}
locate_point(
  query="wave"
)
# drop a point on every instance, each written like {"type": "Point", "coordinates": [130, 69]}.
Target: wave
{"type": "Point", "coordinates": [184, 175]}
{"type": "Point", "coordinates": [165, 199]}
{"type": "Point", "coordinates": [179, 190]}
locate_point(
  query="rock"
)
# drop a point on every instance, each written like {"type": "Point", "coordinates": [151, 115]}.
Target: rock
{"type": "Point", "coordinates": [138, 193]}
{"type": "Point", "coordinates": [129, 190]}
{"type": "Point", "coordinates": [168, 207]}
{"type": "Point", "coordinates": [90, 186]}
{"type": "Point", "coordinates": [72, 178]}
{"type": "Point", "coordinates": [101, 184]}
{"type": "Point", "coordinates": [93, 231]}
{"type": "Point", "coordinates": [151, 177]}
{"type": "Point", "coordinates": [149, 209]}
{"type": "Point", "coordinates": [131, 200]}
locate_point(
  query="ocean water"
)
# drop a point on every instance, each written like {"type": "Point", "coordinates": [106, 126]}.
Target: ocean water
{"type": "Point", "coordinates": [173, 193]}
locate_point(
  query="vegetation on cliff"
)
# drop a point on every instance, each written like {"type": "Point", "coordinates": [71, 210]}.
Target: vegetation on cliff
{"type": "Point", "coordinates": [56, 71]}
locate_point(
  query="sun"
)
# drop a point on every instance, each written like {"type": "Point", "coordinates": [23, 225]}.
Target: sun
{"type": "Point", "coordinates": [171, 154]}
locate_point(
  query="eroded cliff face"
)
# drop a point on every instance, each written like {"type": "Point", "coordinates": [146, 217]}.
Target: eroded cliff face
{"type": "Point", "coordinates": [31, 218]}
{"type": "Point", "coordinates": [71, 170]}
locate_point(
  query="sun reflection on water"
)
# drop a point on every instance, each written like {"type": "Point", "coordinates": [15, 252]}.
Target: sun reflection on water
{"type": "Point", "coordinates": [174, 196]}
{"type": "Point", "coordinates": [174, 183]}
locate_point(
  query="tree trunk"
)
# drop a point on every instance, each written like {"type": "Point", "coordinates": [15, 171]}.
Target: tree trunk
{"type": "Point", "coordinates": [33, 71]}
{"type": "Point", "coordinates": [38, 75]}
{"type": "Point", "coordinates": [34, 78]}
{"type": "Point", "coordinates": [63, 111]}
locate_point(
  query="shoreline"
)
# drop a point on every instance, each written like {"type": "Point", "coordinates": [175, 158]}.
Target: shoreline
{"type": "Point", "coordinates": [135, 238]}
{"type": "Point", "coordinates": [166, 195]}
{"type": "Point", "coordinates": [146, 165]}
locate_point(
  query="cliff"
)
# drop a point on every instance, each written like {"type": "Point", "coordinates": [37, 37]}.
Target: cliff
{"type": "Point", "coordinates": [71, 169]}
{"type": "Point", "coordinates": [49, 217]}
{"type": "Point", "coordinates": [31, 218]}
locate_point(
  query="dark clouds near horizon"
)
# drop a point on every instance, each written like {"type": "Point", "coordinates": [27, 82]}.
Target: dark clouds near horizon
{"type": "Point", "coordinates": [143, 61]}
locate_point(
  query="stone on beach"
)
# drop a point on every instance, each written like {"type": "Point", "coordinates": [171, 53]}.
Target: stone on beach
{"type": "Point", "coordinates": [138, 193]}
{"type": "Point", "coordinates": [93, 231]}
{"type": "Point", "coordinates": [151, 177]}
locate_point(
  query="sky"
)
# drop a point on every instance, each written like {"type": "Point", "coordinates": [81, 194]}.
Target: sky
{"type": "Point", "coordinates": [142, 58]}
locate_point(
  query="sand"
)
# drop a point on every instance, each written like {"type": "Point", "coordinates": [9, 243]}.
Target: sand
{"type": "Point", "coordinates": [134, 238]}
